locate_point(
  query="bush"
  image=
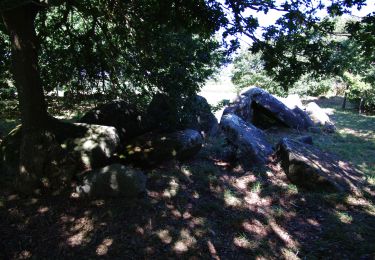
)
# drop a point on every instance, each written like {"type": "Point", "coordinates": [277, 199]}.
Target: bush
{"type": "Point", "coordinates": [310, 85]}
{"type": "Point", "coordinates": [360, 92]}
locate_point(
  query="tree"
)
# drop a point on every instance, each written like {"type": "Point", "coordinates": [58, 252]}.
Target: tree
{"type": "Point", "coordinates": [248, 70]}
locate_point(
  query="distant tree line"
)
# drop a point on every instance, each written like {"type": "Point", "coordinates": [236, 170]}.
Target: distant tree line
{"type": "Point", "coordinates": [346, 67]}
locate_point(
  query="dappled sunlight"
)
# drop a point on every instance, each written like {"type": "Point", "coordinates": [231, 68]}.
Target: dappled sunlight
{"type": "Point", "coordinates": [245, 243]}
{"type": "Point", "coordinates": [195, 209]}
{"type": "Point", "coordinates": [164, 236]}
{"type": "Point", "coordinates": [172, 190]}
{"type": "Point", "coordinates": [185, 242]}
{"type": "Point", "coordinates": [81, 232]}
{"type": "Point", "coordinates": [231, 200]}
{"type": "Point", "coordinates": [283, 235]}
{"type": "Point", "coordinates": [103, 248]}
{"type": "Point", "coordinates": [344, 217]}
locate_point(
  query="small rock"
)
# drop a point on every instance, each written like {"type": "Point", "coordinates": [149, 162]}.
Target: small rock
{"type": "Point", "coordinates": [329, 128]}
{"type": "Point", "coordinates": [115, 180]}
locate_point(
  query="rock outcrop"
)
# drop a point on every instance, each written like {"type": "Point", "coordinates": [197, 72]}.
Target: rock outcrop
{"type": "Point", "coordinates": [249, 140]}
{"type": "Point", "coordinates": [162, 115]}
{"type": "Point", "coordinates": [308, 167]}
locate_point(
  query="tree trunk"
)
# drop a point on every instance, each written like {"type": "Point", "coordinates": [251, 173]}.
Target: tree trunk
{"type": "Point", "coordinates": [345, 97]}
{"type": "Point", "coordinates": [20, 25]}
{"type": "Point", "coordinates": [361, 108]}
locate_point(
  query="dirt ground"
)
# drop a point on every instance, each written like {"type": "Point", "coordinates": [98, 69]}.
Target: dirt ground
{"type": "Point", "coordinates": [202, 209]}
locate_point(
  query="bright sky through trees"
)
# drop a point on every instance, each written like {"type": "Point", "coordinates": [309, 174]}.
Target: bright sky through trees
{"type": "Point", "coordinates": [271, 17]}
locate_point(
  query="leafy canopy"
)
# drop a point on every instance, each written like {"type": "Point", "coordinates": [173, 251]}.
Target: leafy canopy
{"type": "Point", "coordinates": [133, 48]}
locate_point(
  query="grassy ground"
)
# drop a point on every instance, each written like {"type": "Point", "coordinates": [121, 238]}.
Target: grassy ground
{"type": "Point", "coordinates": [207, 208]}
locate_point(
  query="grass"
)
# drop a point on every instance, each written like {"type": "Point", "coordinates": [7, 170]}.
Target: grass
{"type": "Point", "coordinates": [355, 137]}
{"type": "Point", "coordinates": [9, 112]}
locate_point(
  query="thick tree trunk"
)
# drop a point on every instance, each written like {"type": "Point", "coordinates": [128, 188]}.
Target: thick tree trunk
{"type": "Point", "coordinates": [20, 25]}
{"type": "Point", "coordinates": [34, 117]}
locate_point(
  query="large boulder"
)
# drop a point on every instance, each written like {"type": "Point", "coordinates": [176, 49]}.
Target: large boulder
{"type": "Point", "coordinates": [153, 148]}
{"type": "Point", "coordinates": [249, 140]}
{"type": "Point", "coordinates": [292, 101]}
{"type": "Point", "coordinates": [162, 115]}
{"type": "Point", "coordinates": [126, 118]}
{"type": "Point", "coordinates": [308, 167]}
{"type": "Point", "coordinates": [317, 114]}
{"type": "Point", "coordinates": [94, 146]}
{"type": "Point", "coordinates": [112, 181]}
{"type": "Point", "coordinates": [199, 117]}
{"type": "Point", "coordinates": [320, 117]}
{"type": "Point", "coordinates": [83, 146]}
{"type": "Point", "coordinates": [266, 106]}
{"type": "Point", "coordinates": [241, 107]}
{"type": "Point", "coordinates": [45, 165]}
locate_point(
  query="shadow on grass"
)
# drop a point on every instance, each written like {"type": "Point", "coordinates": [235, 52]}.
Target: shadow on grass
{"type": "Point", "coordinates": [196, 209]}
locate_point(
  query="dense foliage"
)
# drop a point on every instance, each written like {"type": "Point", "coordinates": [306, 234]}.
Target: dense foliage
{"type": "Point", "coordinates": [134, 49]}
{"type": "Point", "coordinates": [347, 68]}
{"type": "Point", "coordinates": [84, 52]}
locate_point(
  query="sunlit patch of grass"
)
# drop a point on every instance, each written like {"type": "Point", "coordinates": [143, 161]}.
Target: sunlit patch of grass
{"type": "Point", "coordinates": [354, 140]}
{"type": "Point", "coordinates": [231, 199]}
{"type": "Point", "coordinates": [278, 211]}
{"type": "Point", "coordinates": [292, 189]}
{"type": "Point", "coordinates": [289, 254]}
{"type": "Point", "coordinates": [344, 217]}
{"type": "Point", "coordinates": [173, 189]}
{"type": "Point", "coordinates": [185, 242]}
{"type": "Point", "coordinates": [241, 240]}
{"type": "Point", "coordinates": [256, 186]}
{"type": "Point", "coordinates": [164, 235]}
{"type": "Point", "coordinates": [371, 179]}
